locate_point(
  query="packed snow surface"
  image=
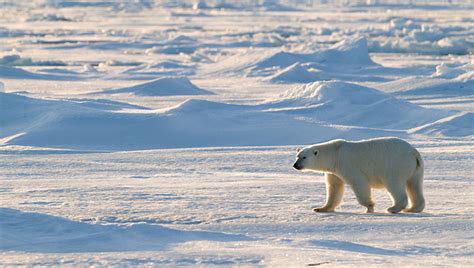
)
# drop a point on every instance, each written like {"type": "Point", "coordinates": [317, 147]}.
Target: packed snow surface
{"type": "Point", "coordinates": [162, 133]}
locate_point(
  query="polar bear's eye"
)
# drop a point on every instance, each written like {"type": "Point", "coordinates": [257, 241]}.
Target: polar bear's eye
{"type": "Point", "coordinates": [315, 152]}
{"type": "Point", "coordinates": [304, 157]}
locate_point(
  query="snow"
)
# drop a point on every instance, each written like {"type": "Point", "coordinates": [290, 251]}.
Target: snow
{"type": "Point", "coordinates": [162, 133]}
{"type": "Point", "coordinates": [353, 105]}
{"type": "Point", "coordinates": [346, 54]}
{"type": "Point", "coordinates": [166, 86]}
{"type": "Point", "coordinates": [44, 233]}
{"type": "Point", "coordinates": [294, 73]}
{"type": "Point", "coordinates": [459, 125]}
{"type": "Point", "coordinates": [226, 191]}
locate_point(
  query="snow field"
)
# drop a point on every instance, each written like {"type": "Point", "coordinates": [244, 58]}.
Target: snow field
{"type": "Point", "coordinates": [162, 133]}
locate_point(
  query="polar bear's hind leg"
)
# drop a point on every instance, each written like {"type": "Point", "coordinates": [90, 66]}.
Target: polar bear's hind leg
{"type": "Point", "coordinates": [398, 194]}
{"type": "Point", "coordinates": [415, 193]}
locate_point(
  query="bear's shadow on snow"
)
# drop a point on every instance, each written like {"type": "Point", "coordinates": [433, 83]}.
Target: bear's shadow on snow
{"type": "Point", "coordinates": [35, 232]}
{"type": "Point", "coordinates": [384, 214]}
{"type": "Point", "coordinates": [361, 248]}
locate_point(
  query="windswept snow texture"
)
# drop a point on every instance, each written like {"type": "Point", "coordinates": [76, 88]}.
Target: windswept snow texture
{"type": "Point", "coordinates": [163, 133]}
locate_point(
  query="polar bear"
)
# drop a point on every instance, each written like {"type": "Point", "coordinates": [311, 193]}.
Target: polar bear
{"type": "Point", "coordinates": [375, 163]}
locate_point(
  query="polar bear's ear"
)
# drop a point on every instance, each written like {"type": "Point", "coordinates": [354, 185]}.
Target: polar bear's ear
{"type": "Point", "coordinates": [298, 150]}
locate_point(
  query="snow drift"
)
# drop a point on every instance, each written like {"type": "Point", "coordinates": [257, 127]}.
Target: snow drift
{"type": "Point", "coordinates": [310, 113]}
{"type": "Point", "coordinates": [449, 80]}
{"type": "Point", "coordinates": [346, 57]}
{"type": "Point", "coordinates": [347, 52]}
{"type": "Point", "coordinates": [458, 125]}
{"type": "Point", "coordinates": [354, 105]}
{"type": "Point", "coordinates": [95, 126]}
{"type": "Point", "coordinates": [21, 115]}
{"type": "Point", "coordinates": [294, 73]}
{"type": "Point", "coordinates": [167, 86]}
{"type": "Point", "coordinates": [35, 232]}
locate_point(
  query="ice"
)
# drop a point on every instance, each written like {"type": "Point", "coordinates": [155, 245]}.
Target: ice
{"type": "Point", "coordinates": [177, 45]}
{"type": "Point", "coordinates": [16, 60]}
{"type": "Point", "coordinates": [418, 36]}
{"type": "Point", "coordinates": [48, 17]}
{"type": "Point", "coordinates": [463, 73]}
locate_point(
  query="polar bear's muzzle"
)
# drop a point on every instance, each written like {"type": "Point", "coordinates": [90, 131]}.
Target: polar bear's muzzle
{"type": "Point", "coordinates": [297, 165]}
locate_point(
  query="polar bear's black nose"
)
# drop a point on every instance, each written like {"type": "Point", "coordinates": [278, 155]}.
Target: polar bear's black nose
{"type": "Point", "coordinates": [295, 165]}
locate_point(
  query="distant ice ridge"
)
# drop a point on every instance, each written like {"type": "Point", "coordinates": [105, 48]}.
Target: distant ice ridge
{"type": "Point", "coordinates": [292, 5]}
{"type": "Point", "coordinates": [177, 45]}
{"type": "Point", "coordinates": [463, 72]}
{"type": "Point", "coordinates": [17, 60]}
{"type": "Point", "coordinates": [165, 86]}
{"type": "Point", "coordinates": [411, 36]}
{"type": "Point", "coordinates": [48, 17]}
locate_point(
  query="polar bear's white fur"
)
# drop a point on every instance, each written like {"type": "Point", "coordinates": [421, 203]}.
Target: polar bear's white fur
{"type": "Point", "coordinates": [375, 163]}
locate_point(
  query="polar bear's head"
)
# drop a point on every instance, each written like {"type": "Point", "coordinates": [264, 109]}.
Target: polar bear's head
{"type": "Point", "coordinates": [318, 157]}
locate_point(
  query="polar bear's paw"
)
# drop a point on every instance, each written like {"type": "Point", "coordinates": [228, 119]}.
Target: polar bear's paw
{"type": "Point", "coordinates": [414, 209]}
{"type": "Point", "coordinates": [370, 209]}
{"type": "Point", "coordinates": [323, 209]}
{"type": "Point", "coordinates": [394, 209]}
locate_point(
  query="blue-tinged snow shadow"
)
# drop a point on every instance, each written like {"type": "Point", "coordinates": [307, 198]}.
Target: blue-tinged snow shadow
{"type": "Point", "coordinates": [355, 247]}
{"type": "Point", "coordinates": [35, 232]}
{"type": "Point", "coordinates": [361, 248]}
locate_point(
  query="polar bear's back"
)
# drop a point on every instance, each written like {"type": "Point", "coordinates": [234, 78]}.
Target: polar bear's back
{"type": "Point", "coordinates": [380, 158]}
{"type": "Point", "coordinates": [385, 143]}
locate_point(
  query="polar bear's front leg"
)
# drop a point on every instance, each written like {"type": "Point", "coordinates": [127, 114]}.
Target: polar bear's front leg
{"type": "Point", "coordinates": [362, 192]}
{"type": "Point", "coordinates": [334, 192]}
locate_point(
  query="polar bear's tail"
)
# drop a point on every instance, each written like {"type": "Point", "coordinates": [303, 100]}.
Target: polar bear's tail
{"type": "Point", "coordinates": [415, 187]}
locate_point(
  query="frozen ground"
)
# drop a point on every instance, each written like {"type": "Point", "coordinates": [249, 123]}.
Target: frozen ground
{"type": "Point", "coordinates": [163, 133]}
